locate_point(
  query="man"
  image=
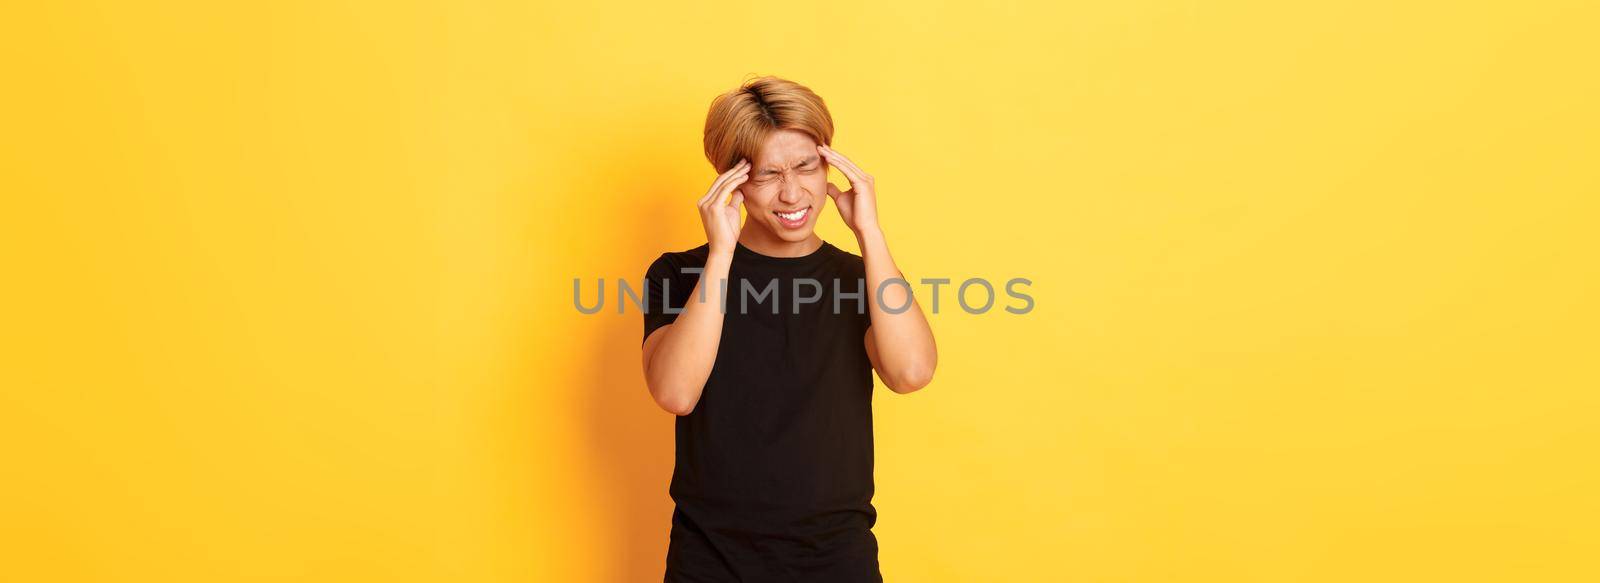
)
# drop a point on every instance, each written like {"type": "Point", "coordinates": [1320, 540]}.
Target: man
{"type": "Point", "coordinates": [769, 363]}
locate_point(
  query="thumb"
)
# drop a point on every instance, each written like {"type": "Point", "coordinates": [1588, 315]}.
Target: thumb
{"type": "Point", "coordinates": [833, 191]}
{"type": "Point", "coordinates": [738, 199]}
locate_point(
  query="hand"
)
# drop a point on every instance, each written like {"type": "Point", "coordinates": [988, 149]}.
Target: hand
{"type": "Point", "coordinates": [721, 219]}
{"type": "Point", "coordinates": [859, 205]}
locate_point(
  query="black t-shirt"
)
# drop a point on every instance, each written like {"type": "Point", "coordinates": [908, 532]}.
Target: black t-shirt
{"type": "Point", "coordinates": [773, 477]}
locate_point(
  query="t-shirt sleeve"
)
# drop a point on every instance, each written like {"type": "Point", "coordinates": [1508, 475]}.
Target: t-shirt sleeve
{"type": "Point", "coordinates": [663, 287]}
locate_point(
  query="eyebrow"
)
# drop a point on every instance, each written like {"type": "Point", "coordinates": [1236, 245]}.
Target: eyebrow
{"type": "Point", "coordinates": [807, 160]}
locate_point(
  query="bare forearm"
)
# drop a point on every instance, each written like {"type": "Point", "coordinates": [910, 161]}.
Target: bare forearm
{"type": "Point", "coordinates": [681, 363]}
{"type": "Point", "coordinates": [903, 341]}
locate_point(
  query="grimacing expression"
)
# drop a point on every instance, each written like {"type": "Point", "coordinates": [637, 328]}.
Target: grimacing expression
{"type": "Point", "coordinates": [788, 185]}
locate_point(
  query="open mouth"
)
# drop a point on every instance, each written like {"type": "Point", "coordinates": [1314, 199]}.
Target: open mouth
{"type": "Point", "coordinates": [793, 219]}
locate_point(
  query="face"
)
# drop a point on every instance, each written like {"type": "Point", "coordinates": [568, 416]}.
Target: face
{"type": "Point", "coordinates": [788, 186]}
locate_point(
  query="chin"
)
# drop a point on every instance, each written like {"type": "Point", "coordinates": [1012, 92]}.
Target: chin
{"type": "Point", "coordinates": [795, 235]}
{"type": "Point", "coordinates": [790, 235]}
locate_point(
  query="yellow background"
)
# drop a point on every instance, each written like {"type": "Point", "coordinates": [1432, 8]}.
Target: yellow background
{"type": "Point", "coordinates": [288, 287]}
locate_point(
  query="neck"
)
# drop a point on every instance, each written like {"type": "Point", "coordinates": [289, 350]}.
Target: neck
{"type": "Point", "coordinates": [763, 241]}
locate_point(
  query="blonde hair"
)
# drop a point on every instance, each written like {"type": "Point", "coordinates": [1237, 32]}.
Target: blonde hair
{"type": "Point", "coordinates": [740, 120]}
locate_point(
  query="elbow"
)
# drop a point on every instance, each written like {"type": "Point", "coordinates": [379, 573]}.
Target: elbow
{"type": "Point", "coordinates": [679, 408]}
{"type": "Point", "coordinates": [674, 402]}
{"type": "Point", "coordinates": [911, 379]}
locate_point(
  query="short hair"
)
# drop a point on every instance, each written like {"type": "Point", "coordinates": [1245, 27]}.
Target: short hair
{"type": "Point", "coordinates": [741, 120]}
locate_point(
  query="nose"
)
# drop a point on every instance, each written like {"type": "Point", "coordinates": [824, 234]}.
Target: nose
{"type": "Point", "coordinates": [789, 192]}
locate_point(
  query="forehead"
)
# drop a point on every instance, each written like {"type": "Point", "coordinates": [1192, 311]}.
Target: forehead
{"type": "Point", "coordinates": [786, 147]}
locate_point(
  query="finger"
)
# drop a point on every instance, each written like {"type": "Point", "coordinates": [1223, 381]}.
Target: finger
{"type": "Point", "coordinates": [733, 209]}
{"type": "Point", "coordinates": [710, 192]}
{"type": "Point", "coordinates": [849, 169]}
{"type": "Point", "coordinates": [833, 191]}
{"type": "Point", "coordinates": [734, 182]}
{"type": "Point", "coordinates": [841, 160]}
{"type": "Point", "coordinates": [851, 174]}
{"type": "Point", "coordinates": [740, 166]}
{"type": "Point", "coordinates": [732, 186]}
{"type": "Point", "coordinates": [717, 185]}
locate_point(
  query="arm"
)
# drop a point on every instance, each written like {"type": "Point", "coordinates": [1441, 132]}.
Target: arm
{"type": "Point", "coordinates": [678, 356]}
{"type": "Point", "coordinates": [900, 345]}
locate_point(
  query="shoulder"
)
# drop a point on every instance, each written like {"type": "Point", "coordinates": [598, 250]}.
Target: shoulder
{"type": "Point", "coordinates": [845, 259]}
{"type": "Point", "coordinates": [670, 262]}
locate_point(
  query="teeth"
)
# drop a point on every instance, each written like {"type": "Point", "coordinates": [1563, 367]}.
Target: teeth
{"type": "Point", "coordinates": [794, 216]}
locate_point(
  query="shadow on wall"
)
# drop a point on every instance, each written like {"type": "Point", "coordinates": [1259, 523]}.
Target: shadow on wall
{"type": "Point", "coordinates": [630, 438]}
